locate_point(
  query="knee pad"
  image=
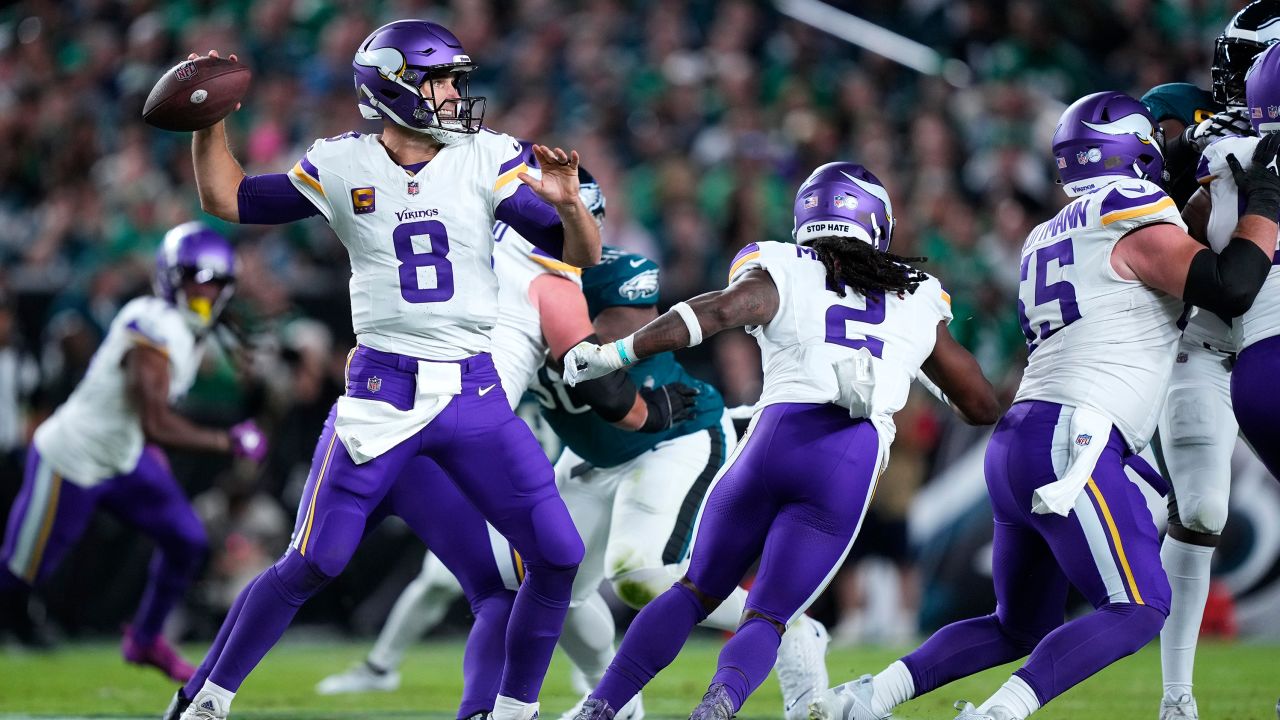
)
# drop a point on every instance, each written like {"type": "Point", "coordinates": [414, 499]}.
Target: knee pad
{"type": "Point", "coordinates": [334, 540]}
{"type": "Point", "coordinates": [1142, 622]}
{"type": "Point", "coordinates": [1203, 514]}
{"type": "Point", "coordinates": [496, 602]}
{"type": "Point", "coordinates": [1192, 415]}
{"type": "Point", "coordinates": [638, 588]}
{"type": "Point", "coordinates": [297, 578]}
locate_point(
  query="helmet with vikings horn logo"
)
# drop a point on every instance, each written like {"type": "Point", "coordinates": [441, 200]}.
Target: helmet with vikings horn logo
{"type": "Point", "coordinates": [393, 63]}
{"type": "Point", "coordinates": [1105, 137]}
{"type": "Point", "coordinates": [192, 251]}
{"type": "Point", "coordinates": [843, 199]}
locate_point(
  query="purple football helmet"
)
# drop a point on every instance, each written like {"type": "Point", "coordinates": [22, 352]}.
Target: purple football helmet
{"type": "Point", "coordinates": [1262, 91]}
{"type": "Point", "coordinates": [192, 251]}
{"type": "Point", "coordinates": [1105, 137]}
{"type": "Point", "coordinates": [843, 199]}
{"type": "Point", "coordinates": [393, 63]}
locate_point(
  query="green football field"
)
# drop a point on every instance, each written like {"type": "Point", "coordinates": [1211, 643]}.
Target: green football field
{"type": "Point", "coordinates": [1234, 682]}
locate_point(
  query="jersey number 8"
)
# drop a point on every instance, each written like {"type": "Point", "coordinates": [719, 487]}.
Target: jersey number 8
{"type": "Point", "coordinates": [412, 262]}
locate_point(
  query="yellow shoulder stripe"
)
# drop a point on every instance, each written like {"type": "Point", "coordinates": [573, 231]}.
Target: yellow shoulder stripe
{"type": "Point", "coordinates": [946, 298]}
{"type": "Point", "coordinates": [742, 261]}
{"type": "Point", "coordinates": [1118, 215]}
{"type": "Point", "coordinates": [302, 175]}
{"type": "Point", "coordinates": [143, 340]}
{"type": "Point", "coordinates": [505, 178]}
{"type": "Point", "coordinates": [553, 264]}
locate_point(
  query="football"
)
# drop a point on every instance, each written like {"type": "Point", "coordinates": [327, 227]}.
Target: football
{"type": "Point", "coordinates": [195, 94]}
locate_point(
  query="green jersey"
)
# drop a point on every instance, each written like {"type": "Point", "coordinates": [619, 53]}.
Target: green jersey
{"type": "Point", "coordinates": [621, 279]}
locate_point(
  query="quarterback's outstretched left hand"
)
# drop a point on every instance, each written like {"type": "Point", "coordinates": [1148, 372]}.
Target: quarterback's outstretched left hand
{"type": "Point", "coordinates": [588, 361]}
{"type": "Point", "coordinates": [559, 182]}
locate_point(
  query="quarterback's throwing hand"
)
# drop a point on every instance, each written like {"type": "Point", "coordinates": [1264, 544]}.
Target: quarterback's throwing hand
{"type": "Point", "coordinates": [588, 361]}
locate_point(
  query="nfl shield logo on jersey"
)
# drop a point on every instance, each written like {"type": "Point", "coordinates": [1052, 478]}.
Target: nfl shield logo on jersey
{"type": "Point", "coordinates": [413, 187]}
{"type": "Point", "coordinates": [1084, 439]}
{"type": "Point", "coordinates": [374, 384]}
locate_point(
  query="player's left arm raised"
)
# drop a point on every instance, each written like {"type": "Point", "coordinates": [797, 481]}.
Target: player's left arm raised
{"type": "Point", "coordinates": [752, 300]}
{"type": "Point", "coordinates": [558, 187]}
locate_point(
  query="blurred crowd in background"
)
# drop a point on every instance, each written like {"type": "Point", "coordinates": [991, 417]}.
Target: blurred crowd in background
{"type": "Point", "coordinates": [699, 117]}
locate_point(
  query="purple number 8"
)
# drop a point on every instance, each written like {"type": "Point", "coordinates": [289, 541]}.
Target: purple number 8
{"type": "Point", "coordinates": [410, 261]}
{"type": "Point", "coordinates": [838, 317]}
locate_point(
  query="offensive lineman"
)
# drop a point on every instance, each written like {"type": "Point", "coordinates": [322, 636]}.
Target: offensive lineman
{"type": "Point", "coordinates": [1197, 430]}
{"type": "Point", "coordinates": [844, 327]}
{"type": "Point", "coordinates": [102, 446]}
{"type": "Point", "coordinates": [414, 207]}
{"type": "Point", "coordinates": [1100, 303]}
{"type": "Point", "coordinates": [634, 502]}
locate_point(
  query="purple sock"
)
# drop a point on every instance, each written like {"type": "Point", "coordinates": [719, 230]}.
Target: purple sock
{"type": "Point", "coordinates": [485, 653]}
{"type": "Point", "coordinates": [537, 614]}
{"type": "Point", "coordinates": [1087, 644]}
{"type": "Point", "coordinates": [170, 574]}
{"type": "Point", "coordinates": [651, 643]}
{"type": "Point", "coordinates": [964, 648]}
{"type": "Point", "coordinates": [219, 642]}
{"type": "Point", "coordinates": [268, 609]}
{"type": "Point", "coordinates": [745, 661]}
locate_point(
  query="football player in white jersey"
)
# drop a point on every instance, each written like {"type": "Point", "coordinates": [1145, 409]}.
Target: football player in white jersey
{"type": "Point", "coordinates": [634, 502]}
{"type": "Point", "coordinates": [102, 447]}
{"type": "Point", "coordinates": [1100, 303]}
{"type": "Point", "coordinates": [844, 327]}
{"type": "Point", "coordinates": [1253, 393]}
{"type": "Point", "coordinates": [414, 207]}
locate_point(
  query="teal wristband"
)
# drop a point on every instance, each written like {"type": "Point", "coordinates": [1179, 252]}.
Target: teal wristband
{"type": "Point", "coordinates": [622, 351]}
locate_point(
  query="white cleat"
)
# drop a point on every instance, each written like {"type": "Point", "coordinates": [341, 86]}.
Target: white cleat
{"type": "Point", "coordinates": [969, 712]}
{"type": "Point", "coordinates": [360, 678]}
{"type": "Point", "coordinates": [633, 710]}
{"type": "Point", "coordinates": [802, 666]}
{"type": "Point", "coordinates": [206, 707]}
{"type": "Point", "coordinates": [1182, 707]}
{"type": "Point", "coordinates": [850, 701]}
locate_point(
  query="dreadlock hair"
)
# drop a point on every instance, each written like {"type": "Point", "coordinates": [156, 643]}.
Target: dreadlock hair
{"type": "Point", "coordinates": [858, 266]}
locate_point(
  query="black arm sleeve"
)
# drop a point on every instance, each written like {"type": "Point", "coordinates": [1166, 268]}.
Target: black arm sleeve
{"type": "Point", "coordinates": [611, 396]}
{"type": "Point", "coordinates": [1227, 282]}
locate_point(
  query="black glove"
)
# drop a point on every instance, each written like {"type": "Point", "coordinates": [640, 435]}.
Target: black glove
{"type": "Point", "coordinates": [1261, 182]}
{"type": "Point", "coordinates": [668, 405]}
{"type": "Point", "coordinates": [1224, 124]}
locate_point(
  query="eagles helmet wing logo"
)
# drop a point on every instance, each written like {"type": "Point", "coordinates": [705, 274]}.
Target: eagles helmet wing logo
{"type": "Point", "coordinates": [641, 286]}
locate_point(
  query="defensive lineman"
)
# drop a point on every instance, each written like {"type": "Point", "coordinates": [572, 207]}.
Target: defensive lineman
{"type": "Point", "coordinates": [1099, 304]}
{"type": "Point", "coordinates": [844, 327]}
{"type": "Point", "coordinates": [1197, 430]}
{"type": "Point", "coordinates": [102, 447]}
{"type": "Point", "coordinates": [414, 207]}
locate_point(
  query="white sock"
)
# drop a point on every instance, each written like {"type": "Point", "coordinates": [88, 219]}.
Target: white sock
{"type": "Point", "coordinates": [892, 687]}
{"type": "Point", "coordinates": [505, 708]}
{"type": "Point", "coordinates": [222, 695]}
{"type": "Point", "coordinates": [587, 637]}
{"type": "Point", "coordinates": [729, 614]}
{"type": "Point", "coordinates": [1187, 566]}
{"type": "Point", "coordinates": [1016, 696]}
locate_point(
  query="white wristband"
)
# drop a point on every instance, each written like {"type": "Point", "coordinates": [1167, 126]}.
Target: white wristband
{"type": "Point", "coordinates": [690, 321]}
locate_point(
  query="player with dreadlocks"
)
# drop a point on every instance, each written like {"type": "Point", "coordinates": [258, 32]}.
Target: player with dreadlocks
{"type": "Point", "coordinates": [844, 327]}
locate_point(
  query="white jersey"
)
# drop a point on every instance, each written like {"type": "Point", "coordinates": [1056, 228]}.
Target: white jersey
{"type": "Point", "coordinates": [1096, 340]}
{"type": "Point", "coordinates": [421, 246]}
{"type": "Point", "coordinates": [1262, 320]}
{"type": "Point", "coordinates": [814, 328]}
{"type": "Point", "coordinates": [97, 433]}
{"type": "Point", "coordinates": [519, 349]}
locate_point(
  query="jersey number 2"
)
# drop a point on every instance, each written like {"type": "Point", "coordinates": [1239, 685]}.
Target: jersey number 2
{"type": "Point", "coordinates": [839, 317]}
{"type": "Point", "coordinates": [412, 262]}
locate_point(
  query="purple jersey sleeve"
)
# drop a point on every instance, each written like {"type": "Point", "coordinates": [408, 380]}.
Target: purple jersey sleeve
{"type": "Point", "coordinates": [272, 200]}
{"type": "Point", "coordinates": [534, 219]}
